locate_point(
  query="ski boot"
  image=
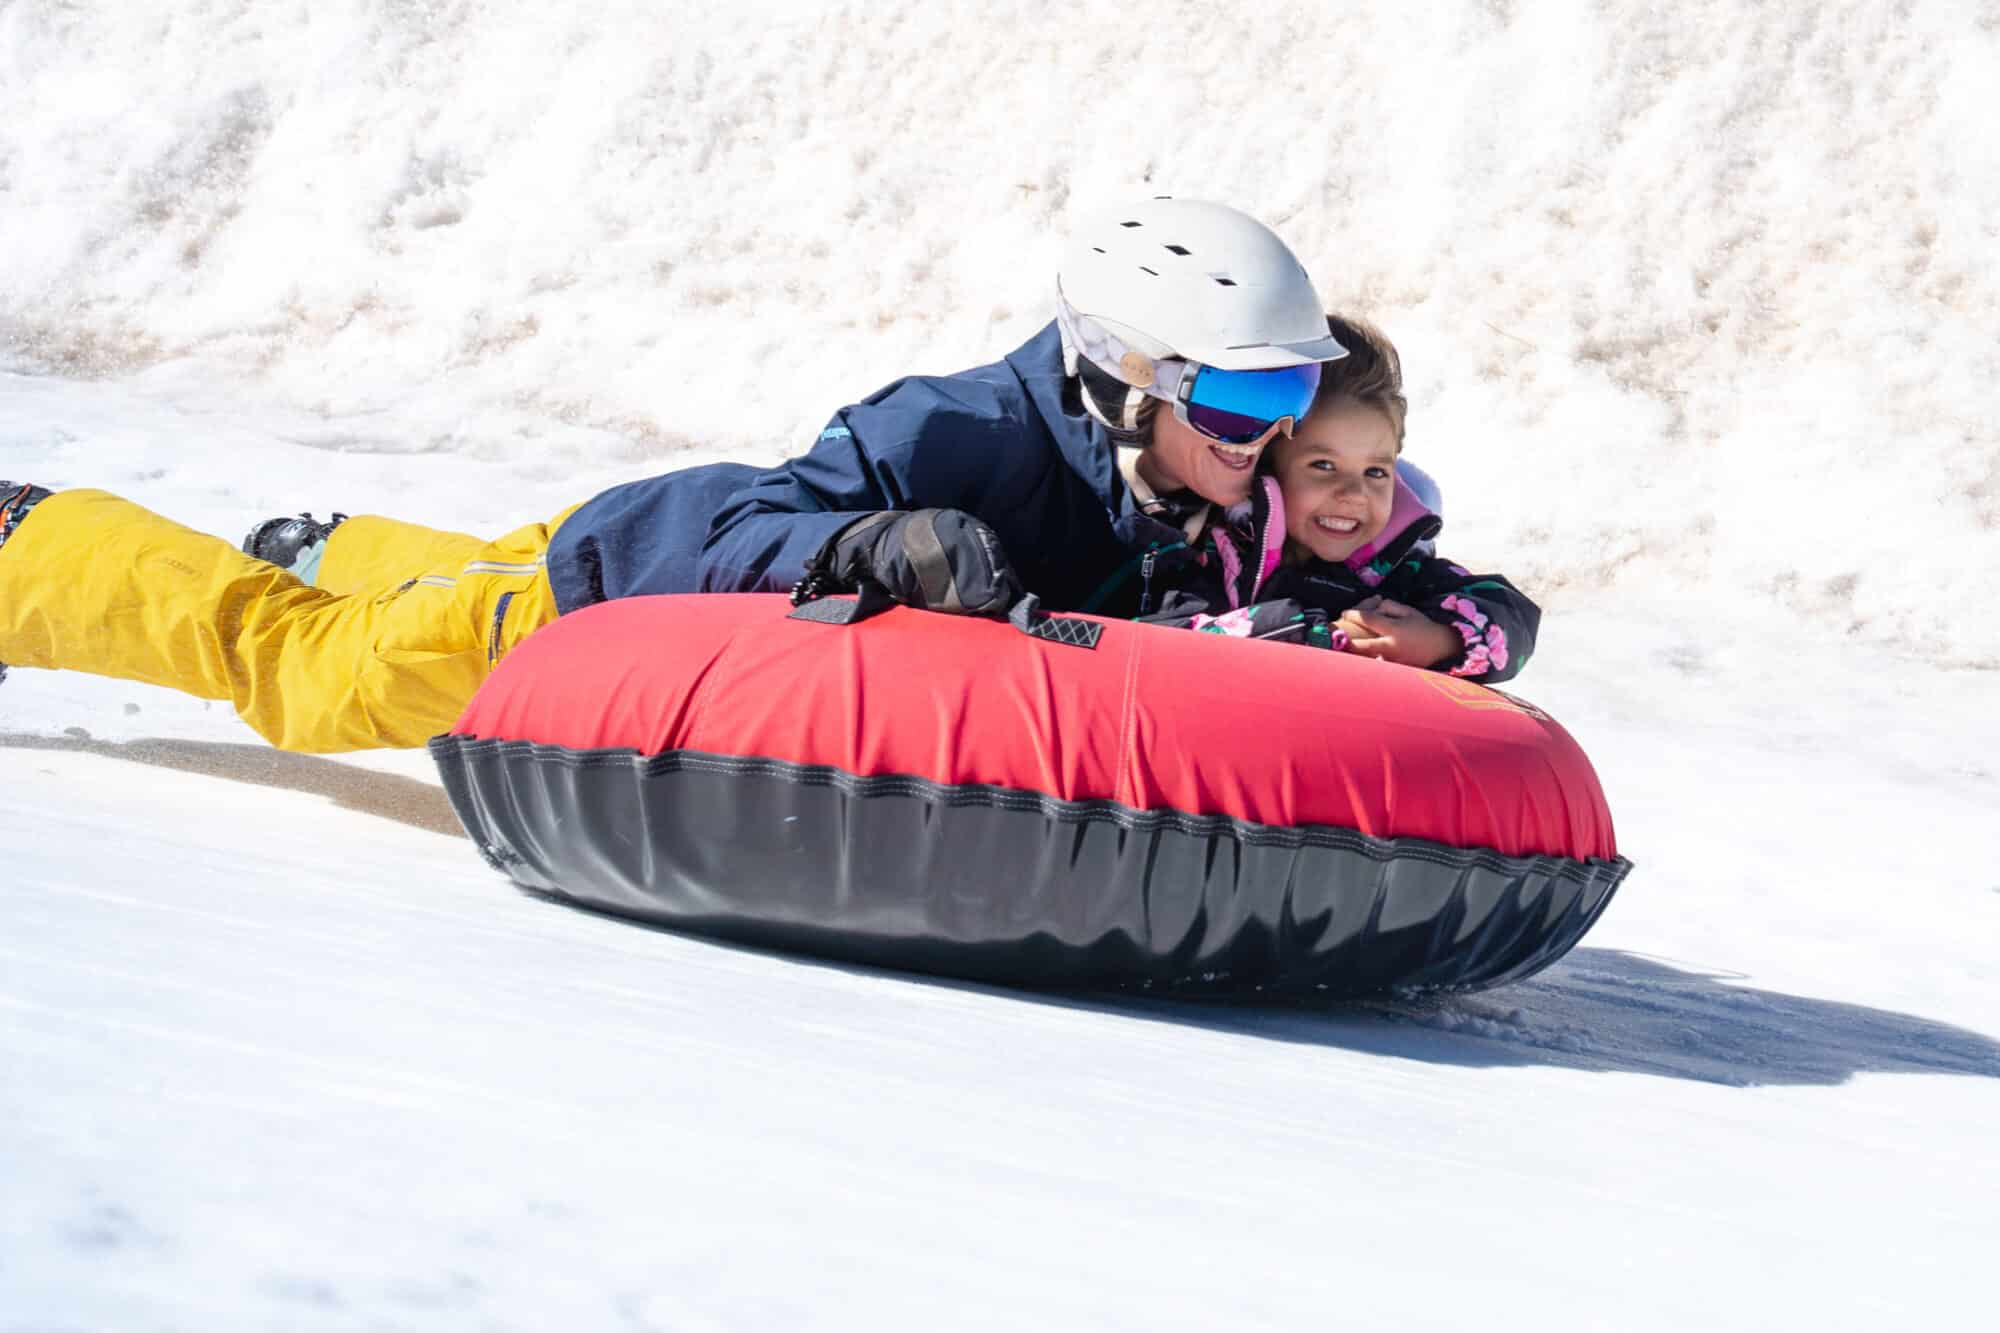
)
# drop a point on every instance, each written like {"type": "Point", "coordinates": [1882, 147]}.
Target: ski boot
{"type": "Point", "coordinates": [292, 542]}
{"type": "Point", "coordinates": [16, 499]}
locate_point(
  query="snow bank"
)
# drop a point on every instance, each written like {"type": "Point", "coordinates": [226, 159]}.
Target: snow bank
{"type": "Point", "coordinates": [1698, 303]}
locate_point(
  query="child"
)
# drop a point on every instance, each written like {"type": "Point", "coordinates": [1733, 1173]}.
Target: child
{"type": "Point", "coordinates": [1332, 547]}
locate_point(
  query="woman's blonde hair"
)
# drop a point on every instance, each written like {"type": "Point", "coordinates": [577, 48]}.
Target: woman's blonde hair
{"type": "Point", "coordinates": [1370, 374]}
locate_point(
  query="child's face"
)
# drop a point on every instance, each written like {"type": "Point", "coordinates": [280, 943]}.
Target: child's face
{"type": "Point", "coordinates": [1338, 474]}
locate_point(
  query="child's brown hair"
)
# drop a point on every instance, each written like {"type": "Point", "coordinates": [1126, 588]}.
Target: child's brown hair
{"type": "Point", "coordinates": [1370, 374]}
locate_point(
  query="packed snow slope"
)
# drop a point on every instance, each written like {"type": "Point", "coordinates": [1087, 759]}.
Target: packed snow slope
{"type": "Point", "coordinates": [1698, 309]}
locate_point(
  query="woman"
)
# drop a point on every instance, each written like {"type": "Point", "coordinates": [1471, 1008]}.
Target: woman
{"type": "Point", "coordinates": [1052, 471]}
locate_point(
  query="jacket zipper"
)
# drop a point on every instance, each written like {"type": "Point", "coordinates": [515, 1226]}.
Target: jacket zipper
{"type": "Point", "coordinates": [1144, 564]}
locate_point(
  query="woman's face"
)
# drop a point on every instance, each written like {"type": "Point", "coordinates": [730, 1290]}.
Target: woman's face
{"type": "Point", "coordinates": [1338, 475]}
{"type": "Point", "coordinates": [1181, 458]}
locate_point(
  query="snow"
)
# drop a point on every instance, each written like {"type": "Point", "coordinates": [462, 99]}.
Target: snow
{"type": "Point", "coordinates": [1698, 308]}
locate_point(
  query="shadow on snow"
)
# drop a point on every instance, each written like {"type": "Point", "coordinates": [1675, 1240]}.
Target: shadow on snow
{"type": "Point", "coordinates": [1622, 1013]}
{"type": "Point", "coordinates": [408, 801]}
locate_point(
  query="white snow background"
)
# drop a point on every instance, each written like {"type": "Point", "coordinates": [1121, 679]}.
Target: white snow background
{"type": "Point", "coordinates": [1701, 314]}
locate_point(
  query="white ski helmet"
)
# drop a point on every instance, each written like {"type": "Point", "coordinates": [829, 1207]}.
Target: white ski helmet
{"type": "Point", "coordinates": [1183, 278]}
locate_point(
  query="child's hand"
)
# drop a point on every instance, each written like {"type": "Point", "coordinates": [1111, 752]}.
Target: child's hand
{"type": "Point", "coordinates": [1394, 632]}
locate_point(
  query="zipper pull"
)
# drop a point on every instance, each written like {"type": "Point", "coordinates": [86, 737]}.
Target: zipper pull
{"type": "Point", "coordinates": [1146, 563]}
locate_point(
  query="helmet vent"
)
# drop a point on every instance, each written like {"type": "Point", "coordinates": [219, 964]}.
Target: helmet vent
{"type": "Point", "coordinates": [1131, 224]}
{"type": "Point", "coordinates": [1223, 280]}
{"type": "Point", "coordinates": [1180, 249]}
{"type": "Point", "coordinates": [1143, 269]}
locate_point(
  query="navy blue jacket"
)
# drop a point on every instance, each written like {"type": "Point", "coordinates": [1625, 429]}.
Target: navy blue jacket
{"type": "Point", "coordinates": [1007, 442]}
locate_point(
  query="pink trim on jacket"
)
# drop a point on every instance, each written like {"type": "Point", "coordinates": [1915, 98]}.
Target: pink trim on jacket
{"type": "Point", "coordinates": [1404, 510]}
{"type": "Point", "coordinates": [1273, 538]}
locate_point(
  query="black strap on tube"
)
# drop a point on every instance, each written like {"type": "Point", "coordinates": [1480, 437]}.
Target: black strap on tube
{"type": "Point", "coordinates": [872, 599]}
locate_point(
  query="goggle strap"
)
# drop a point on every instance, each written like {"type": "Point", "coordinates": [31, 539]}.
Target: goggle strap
{"type": "Point", "coordinates": [1128, 416]}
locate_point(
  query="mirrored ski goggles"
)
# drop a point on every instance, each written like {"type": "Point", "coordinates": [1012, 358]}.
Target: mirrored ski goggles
{"type": "Point", "coordinates": [1238, 406]}
{"type": "Point", "coordinates": [1228, 406]}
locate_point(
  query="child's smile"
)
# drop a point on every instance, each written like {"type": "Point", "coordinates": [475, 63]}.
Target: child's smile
{"type": "Point", "coordinates": [1338, 475]}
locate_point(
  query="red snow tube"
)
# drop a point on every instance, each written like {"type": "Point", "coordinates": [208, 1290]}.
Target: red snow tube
{"type": "Point", "coordinates": [1155, 808]}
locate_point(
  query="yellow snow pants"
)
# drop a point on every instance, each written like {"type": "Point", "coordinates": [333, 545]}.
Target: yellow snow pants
{"type": "Point", "coordinates": [385, 651]}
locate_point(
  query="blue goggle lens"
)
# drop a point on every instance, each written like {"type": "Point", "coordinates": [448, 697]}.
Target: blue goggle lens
{"type": "Point", "coordinates": [1237, 406]}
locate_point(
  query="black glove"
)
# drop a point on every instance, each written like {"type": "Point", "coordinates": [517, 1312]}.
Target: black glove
{"type": "Point", "coordinates": [933, 559]}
